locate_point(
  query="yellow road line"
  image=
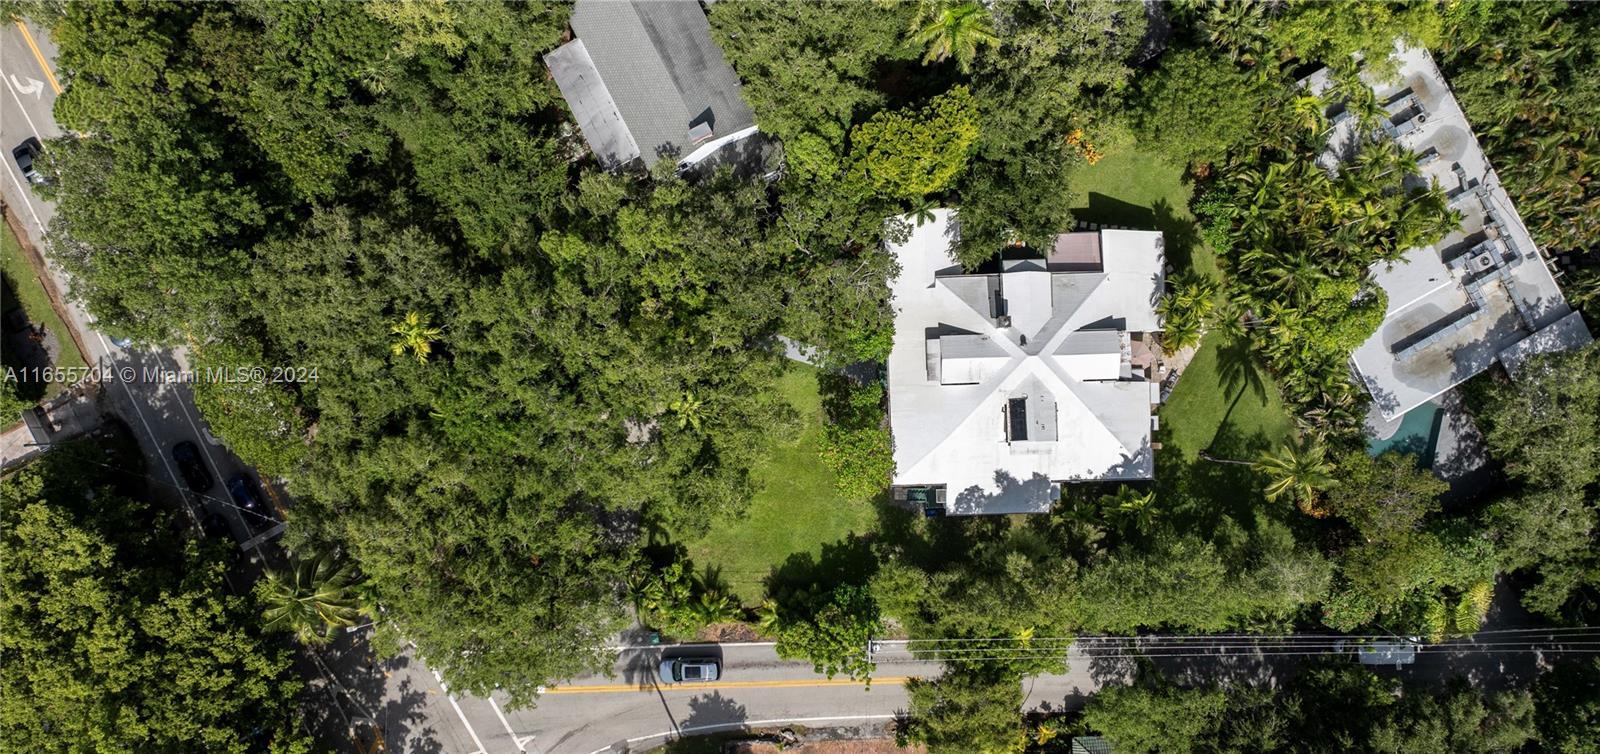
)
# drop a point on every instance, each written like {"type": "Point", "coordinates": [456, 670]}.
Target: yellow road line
{"type": "Point", "coordinates": [44, 66]}
{"type": "Point", "coordinates": [621, 688]}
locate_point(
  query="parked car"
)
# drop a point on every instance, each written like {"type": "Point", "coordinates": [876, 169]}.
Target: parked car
{"type": "Point", "coordinates": [25, 153]}
{"type": "Point", "coordinates": [192, 467]}
{"type": "Point", "coordinates": [215, 526]}
{"type": "Point", "coordinates": [247, 495]}
{"type": "Point", "coordinates": [690, 670]}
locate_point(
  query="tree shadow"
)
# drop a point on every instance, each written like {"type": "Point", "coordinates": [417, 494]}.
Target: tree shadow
{"type": "Point", "coordinates": [351, 685]}
{"type": "Point", "coordinates": [1196, 495]}
{"type": "Point", "coordinates": [1179, 234]}
{"type": "Point", "coordinates": [1239, 372]}
{"type": "Point", "coordinates": [848, 561]}
{"type": "Point", "coordinates": [713, 710]}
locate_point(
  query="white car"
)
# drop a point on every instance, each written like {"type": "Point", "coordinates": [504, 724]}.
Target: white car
{"type": "Point", "coordinates": [689, 670]}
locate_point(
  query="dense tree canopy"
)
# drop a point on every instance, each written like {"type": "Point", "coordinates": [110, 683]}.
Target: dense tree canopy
{"type": "Point", "coordinates": [523, 364]}
{"type": "Point", "coordinates": [101, 598]}
{"type": "Point", "coordinates": [1329, 708]}
{"type": "Point", "coordinates": [1545, 428]}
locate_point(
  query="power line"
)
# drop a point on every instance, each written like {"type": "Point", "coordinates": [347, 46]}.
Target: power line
{"type": "Point", "coordinates": [1187, 637]}
{"type": "Point", "coordinates": [1578, 639]}
{"type": "Point", "coordinates": [185, 490]}
{"type": "Point", "coordinates": [1157, 651]}
{"type": "Point", "coordinates": [1214, 655]}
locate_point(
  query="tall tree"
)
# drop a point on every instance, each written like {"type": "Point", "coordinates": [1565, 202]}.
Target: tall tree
{"type": "Point", "coordinates": [310, 599]}
{"type": "Point", "coordinates": [1301, 470]}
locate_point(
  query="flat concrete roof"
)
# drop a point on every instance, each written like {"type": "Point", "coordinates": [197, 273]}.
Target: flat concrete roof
{"type": "Point", "coordinates": [1449, 316]}
{"type": "Point", "coordinates": [966, 436]}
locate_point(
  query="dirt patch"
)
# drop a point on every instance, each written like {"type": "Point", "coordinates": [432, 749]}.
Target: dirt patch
{"type": "Point", "coordinates": [855, 746]}
{"type": "Point", "coordinates": [728, 632]}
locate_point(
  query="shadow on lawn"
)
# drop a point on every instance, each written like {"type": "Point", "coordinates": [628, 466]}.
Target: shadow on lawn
{"type": "Point", "coordinates": [1197, 493]}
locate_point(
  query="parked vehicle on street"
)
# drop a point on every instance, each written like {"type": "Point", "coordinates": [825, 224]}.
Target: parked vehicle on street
{"type": "Point", "coordinates": [25, 153]}
{"type": "Point", "coordinates": [215, 526]}
{"type": "Point", "coordinates": [689, 670]}
{"type": "Point", "coordinates": [246, 494]}
{"type": "Point", "coordinates": [192, 467]}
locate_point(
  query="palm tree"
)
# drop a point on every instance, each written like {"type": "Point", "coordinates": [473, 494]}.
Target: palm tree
{"type": "Point", "coordinates": [1238, 27]}
{"type": "Point", "coordinates": [953, 30]}
{"type": "Point", "coordinates": [688, 410]}
{"type": "Point", "coordinates": [413, 334]}
{"type": "Point", "coordinates": [922, 213]}
{"type": "Point", "coordinates": [1129, 508]}
{"type": "Point", "coordinates": [1299, 469]}
{"type": "Point", "coordinates": [309, 599]}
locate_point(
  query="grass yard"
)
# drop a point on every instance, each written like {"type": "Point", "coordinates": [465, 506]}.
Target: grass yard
{"type": "Point", "coordinates": [1224, 402]}
{"type": "Point", "coordinates": [796, 510]}
{"type": "Point", "coordinates": [1227, 404]}
{"type": "Point", "coordinates": [23, 282]}
{"type": "Point", "coordinates": [1139, 189]}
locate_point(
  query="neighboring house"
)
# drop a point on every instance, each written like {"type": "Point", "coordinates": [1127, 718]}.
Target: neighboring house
{"type": "Point", "coordinates": [1483, 293]}
{"type": "Point", "coordinates": [1037, 370]}
{"type": "Point", "coordinates": [645, 81]}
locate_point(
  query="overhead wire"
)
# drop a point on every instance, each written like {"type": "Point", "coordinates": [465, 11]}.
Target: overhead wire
{"type": "Point", "coordinates": [185, 490]}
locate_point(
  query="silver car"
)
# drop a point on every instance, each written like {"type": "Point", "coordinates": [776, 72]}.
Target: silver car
{"type": "Point", "coordinates": [689, 670]}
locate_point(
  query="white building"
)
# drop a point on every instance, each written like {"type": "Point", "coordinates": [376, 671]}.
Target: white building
{"type": "Point", "coordinates": [1007, 382]}
{"type": "Point", "coordinates": [1481, 294]}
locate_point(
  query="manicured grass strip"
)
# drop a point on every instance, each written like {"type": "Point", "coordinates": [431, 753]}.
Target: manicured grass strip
{"type": "Point", "coordinates": [1226, 402]}
{"type": "Point", "coordinates": [1138, 188]}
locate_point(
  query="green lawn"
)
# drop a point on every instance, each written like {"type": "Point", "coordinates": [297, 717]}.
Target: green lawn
{"type": "Point", "coordinates": [23, 282]}
{"type": "Point", "coordinates": [797, 509]}
{"type": "Point", "coordinates": [1228, 405]}
{"type": "Point", "coordinates": [1224, 402]}
{"type": "Point", "coordinates": [1137, 188]}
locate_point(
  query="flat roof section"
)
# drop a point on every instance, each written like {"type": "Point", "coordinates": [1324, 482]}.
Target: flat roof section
{"type": "Point", "coordinates": [1457, 306]}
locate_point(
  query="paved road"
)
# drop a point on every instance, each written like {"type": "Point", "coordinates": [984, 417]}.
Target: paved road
{"type": "Point", "coordinates": [160, 412]}
{"type": "Point", "coordinates": [630, 712]}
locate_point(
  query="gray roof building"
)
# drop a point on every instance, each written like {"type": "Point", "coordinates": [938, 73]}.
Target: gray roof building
{"type": "Point", "coordinates": [644, 81]}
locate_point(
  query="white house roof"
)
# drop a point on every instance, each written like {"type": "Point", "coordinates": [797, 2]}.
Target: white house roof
{"type": "Point", "coordinates": [1002, 411]}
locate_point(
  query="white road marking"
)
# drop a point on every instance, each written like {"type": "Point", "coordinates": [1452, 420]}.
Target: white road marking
{"type": "Point", "coordinates": [698, 729]}
{"type": "Point", "coordinates": [25, 116]}
{"type": "Point", "coordinates": [34, 86]}
{"type": "Point", "coordinates": [460, 714]}
{"type": "Point", "coordinates": [104, 346]}
{"type": "Point", "coordinates": [251, 541]}
{"type": "Point", "coordinates": [520, 741]}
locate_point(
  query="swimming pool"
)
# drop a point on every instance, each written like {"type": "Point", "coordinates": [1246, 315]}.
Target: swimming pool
{"type": "Point", "coordinates": [1418, 435]}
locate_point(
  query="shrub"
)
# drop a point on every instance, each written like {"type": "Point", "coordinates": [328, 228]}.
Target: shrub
{"type": "Point", "coordinates": [855, 442]}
